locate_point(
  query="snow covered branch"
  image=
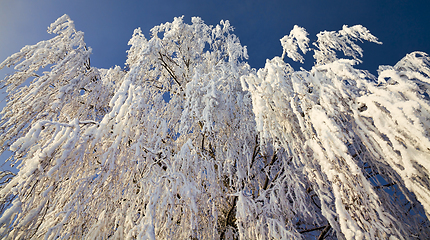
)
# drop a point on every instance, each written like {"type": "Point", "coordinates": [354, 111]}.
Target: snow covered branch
{"type": "Point", "coordinates": [190, 142]}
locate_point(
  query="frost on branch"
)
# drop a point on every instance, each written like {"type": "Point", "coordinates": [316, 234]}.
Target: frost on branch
{"type": "Point", "coordinates": [189, 142]}
{"type": "Point", "coordinates": [347, 132]}
{"type": "Point", "coordinates": [327, 43]}
{"type": "Point", "coordinates": [297, 38]}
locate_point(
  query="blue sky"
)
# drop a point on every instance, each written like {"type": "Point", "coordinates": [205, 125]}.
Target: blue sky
{"type": "Point", "coordinates": [402, 26]}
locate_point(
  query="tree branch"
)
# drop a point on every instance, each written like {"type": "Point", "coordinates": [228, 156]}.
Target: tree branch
{"type": "Point", "coordinates": [255, 152]}
{"type": "Point", "coordinates": [231, 220]}
{"type": "Point", "coordinates": [266, 181]}
{"type": "Point", "coordinates": [324, 232]}
{"type": "Point", "coordinates": [169, 70]}
{"type": "Point", "coordinates": [312, 229]}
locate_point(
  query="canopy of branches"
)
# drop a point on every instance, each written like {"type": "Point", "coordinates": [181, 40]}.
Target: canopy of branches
{"type": "Point", "coordinates": [189, 142]}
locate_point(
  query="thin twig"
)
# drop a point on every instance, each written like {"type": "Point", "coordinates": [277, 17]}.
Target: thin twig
{"type": "Point", "coordinates": [324, 232]}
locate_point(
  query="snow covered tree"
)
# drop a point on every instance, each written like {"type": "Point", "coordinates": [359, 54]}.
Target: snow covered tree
{"type": "Point", "coordinates": [189, 142]}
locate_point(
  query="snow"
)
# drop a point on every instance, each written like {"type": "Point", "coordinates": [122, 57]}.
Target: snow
{"type": "Point", "coordinates": [235, 151]}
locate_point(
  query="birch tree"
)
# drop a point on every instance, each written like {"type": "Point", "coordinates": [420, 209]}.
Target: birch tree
{"type": "Point", "coordinates": [189, 142]}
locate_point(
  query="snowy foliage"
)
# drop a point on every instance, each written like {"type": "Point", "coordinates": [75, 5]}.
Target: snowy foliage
{"type": "Point", "coordinates": [189, 142]}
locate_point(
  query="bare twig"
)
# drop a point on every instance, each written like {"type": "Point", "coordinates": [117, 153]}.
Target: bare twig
{"type": "Point", "coordinates": [312, 229]}
{"type": "Point", "coordinates": [324, 232]}
{"type": "Point", "coordinates": [169, 70]}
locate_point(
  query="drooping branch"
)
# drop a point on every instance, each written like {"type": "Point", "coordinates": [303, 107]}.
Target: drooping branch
{"type": "Point", "coordinates": [266, 181]}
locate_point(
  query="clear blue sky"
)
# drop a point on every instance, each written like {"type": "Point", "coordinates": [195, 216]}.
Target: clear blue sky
{"type": "Point", "coordinates": [402, 26]}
